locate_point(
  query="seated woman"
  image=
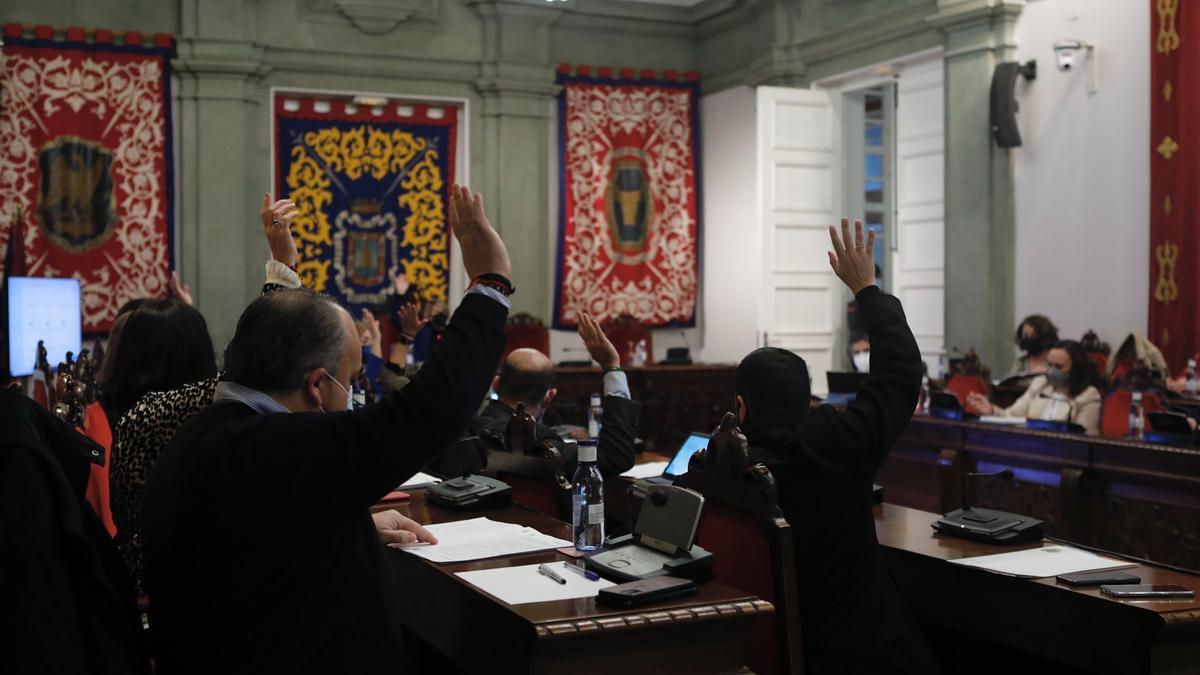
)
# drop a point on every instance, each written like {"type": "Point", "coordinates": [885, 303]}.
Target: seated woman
{"type": "Point", "coordinates": [1064, 394]}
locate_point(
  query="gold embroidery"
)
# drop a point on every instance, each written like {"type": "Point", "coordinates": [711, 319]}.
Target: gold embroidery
{"type": "Point", "coordinates": [1167, 91]}
{"type": "Point", "coordinates": [1167, 148]}
{"type": "Point", "coordinates": [1167, 205]}
{"type": "Point", "coordinates": [1166, 337]}
{"type": "Point", "coordinates": [1168, 38]}
{"type": "Point", "coordinates": [1166, 290]}
{"type": "Point", "coordinates": [340, 155]}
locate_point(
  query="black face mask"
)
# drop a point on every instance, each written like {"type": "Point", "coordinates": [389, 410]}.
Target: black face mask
{"type": "Point", "coordinates": [1032, 346]}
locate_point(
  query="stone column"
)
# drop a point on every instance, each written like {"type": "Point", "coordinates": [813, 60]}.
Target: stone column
{"type": "Point", "coordinates": [222, 253]}
{"type": "Point", "coordinates": [516, 83]}
{"type": "Point", "coordinates": [979, 200]}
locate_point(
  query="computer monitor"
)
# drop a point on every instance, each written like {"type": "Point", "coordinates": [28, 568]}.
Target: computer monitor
{"type": "Point", "coordinates": [679, 463]}
{"type": "Point", "coordinates": [46, 310]}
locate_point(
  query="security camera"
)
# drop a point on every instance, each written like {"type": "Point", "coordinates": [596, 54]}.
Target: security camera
{"type": "Point", "coordinates": [1064, 53]}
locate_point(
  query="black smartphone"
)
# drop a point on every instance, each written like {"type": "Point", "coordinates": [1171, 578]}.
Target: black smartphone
{"type": "Point", "coordinates": [1148, 591]}
{"type": "Point", "coordinates": [1098, 578]}
{"type": "Point", "coordinates": [645, 590]}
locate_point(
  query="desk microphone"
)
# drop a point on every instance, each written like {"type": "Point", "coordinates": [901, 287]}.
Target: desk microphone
{"type": "Point", "coordinates": [988, 525]}
{"type": "Point", "coordinates": [1006, 474]}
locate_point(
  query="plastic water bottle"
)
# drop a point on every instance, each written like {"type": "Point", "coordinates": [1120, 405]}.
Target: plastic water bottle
{"type": "Point", "coordinates": [1137, 416]}
{"type": "Point", "coordinates": [587, 500]}
{"type": "Point", "coordinates": [943, 367]}
{"type": "Point", "coordinates": [595, 411]}
{"type": "Point", "coordinates": [923, 407]}
{"type": "Point", "coordinates": [1192, 383]}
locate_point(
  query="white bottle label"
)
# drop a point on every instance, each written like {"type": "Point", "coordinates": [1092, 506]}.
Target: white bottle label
{"type": "Point", "coordinates": [595, 513]}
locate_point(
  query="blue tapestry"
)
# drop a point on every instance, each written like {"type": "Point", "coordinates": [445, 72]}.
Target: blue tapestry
{"type": "Point", "coordinates": [371, 191]}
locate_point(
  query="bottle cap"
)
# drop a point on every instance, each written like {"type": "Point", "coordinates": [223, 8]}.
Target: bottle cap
{"type": "Point", "coordinates": [1137, 395]}
{"type": "Point", "coordinates": [1191, 363]}
{"type": "Point", "coordinates": [595, 399]}
{"type": "Point", "coordinates": [587, 450]}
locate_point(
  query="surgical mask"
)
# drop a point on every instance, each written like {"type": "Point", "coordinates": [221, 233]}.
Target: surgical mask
{"type": "Point", "coordinates": [862, 361]}
{"type": "Point", "coordinates": [349, 398]}
{"type": "Point", "coordinates": [1057, 376]}
{"type": "Point", "coordinates": [1032, 346]}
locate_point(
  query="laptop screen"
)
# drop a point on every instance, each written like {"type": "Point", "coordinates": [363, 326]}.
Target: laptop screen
{"type": "Point", "coordinates": [679, 463]}
{"type": "Point", "coordinates": [42, 309]}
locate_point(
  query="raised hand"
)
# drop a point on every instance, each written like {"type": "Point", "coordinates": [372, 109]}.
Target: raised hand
{"type": "Point", "coordinates": [402, 284]}
{"type": "Point", "coordinates": [853, 262]}
{"type": "Point", "coordinates": [373, 333]}
{"type": "Point", "coordinates": [482, 249]}
{"type": "Point", "coordinates": [277, 225]}
{"type": "Point", "coordinates": [410, 320]}
{"type": "Point", "coordinates": [597, 342]}
{"type": "Point", "coordinates": [182, 293]}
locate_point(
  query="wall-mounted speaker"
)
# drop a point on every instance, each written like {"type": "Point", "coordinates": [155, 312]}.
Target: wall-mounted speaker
{"type": "Point", "coordinates": [1004, 101]}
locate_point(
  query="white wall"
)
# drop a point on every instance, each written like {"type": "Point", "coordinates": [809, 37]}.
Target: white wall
{"type": "Point", "coordinates": [1083, 172]}
{"type": "Point", "coordinates": [727, 322]}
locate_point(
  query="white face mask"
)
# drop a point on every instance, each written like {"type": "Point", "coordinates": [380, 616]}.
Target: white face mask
{"type": "Point", "coordinates": [349, 398]}
{"type": "Point", "coordinates": [862, 361]}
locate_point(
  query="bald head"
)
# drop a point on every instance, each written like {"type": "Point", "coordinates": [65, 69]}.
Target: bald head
{"type": "Point", "coordinates": [526, 377]}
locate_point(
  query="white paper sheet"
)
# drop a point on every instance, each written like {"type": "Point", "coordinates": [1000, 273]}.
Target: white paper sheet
{"type": "Point", "coordinates": [520, 585]}
{"type": "Point", "coordinates": [1003, 421]}
{"type": "Point", "coordinates": [420, 480]}
{"type": "Point", "coordinates": [647, 470]}
{"type": "Point", "coordinates": [1048, 561]}
{"type": "Point", "coordinates": [480, 538]}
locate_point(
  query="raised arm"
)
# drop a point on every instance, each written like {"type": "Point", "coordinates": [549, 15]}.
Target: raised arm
{"type": "Point", "coordinates": [360, 456]}
{"type": "Point", "coordinates": [862, 435]}
{"type": "Point", "coordinates": [619, 419]}
{"type": "Point", "coordinates": [276, 218]}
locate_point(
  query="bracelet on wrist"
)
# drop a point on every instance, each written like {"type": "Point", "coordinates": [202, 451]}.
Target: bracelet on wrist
{"type": "Point", "coordinates": [612, 369]}
{"type": "Point", "coordinates": [497, 282]}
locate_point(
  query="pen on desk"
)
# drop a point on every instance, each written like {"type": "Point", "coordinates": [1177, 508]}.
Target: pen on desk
{"type": "Point", "coordinates": [544, 569]}
{"type": "Point", "coordinates": [587, 574]}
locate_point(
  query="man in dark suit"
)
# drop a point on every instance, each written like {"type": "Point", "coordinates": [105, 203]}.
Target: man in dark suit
{"type": "Point", "coordinates": [851, 613]}
{"type": "Point", "coordinates": [260, 552]}
{"type": "Point", "coordinates": [527, 376]}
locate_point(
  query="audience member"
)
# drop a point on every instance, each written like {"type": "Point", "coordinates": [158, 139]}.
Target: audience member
{"type": "Point", "coordinates": [1035, 336]}
{"type": "Point", "coordinates": [161, 345]}
{"type": "Point", "coordinates": [853, 618]}
{"type": "Point", "coordinates": [146, 428]}
{"type": "Point", "coordinates": [527, 376]}
{"type": "Point", "coordinates": [860, 350]}
{"type": "Point", "coordinates": [1066, 393]}
{"type": "Point", "coordinates": [312, 589]}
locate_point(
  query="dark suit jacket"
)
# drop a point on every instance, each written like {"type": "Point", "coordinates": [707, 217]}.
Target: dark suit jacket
{"type": "Point", "coordinates": [260, 553]}
{"type": "Point", "coordinates": [618, 431]}
{"type": "Point", "coordinates": [67, 603]}
{"type": "Point", "coordinates": [851, 612]}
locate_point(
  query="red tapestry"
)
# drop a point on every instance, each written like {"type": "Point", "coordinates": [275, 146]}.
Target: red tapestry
{"type": "Point", "coordinates": [629, 221]}
{"type": "Point", "coordinates": [85, 163]}
{"type": "Point", "coordinates": [1174, 179]}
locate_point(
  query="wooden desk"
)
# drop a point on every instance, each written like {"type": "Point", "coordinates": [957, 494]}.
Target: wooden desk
{"type": "Point", "coordinates": [1134, 498]}
{"type": "Point", "coordinates": [1033, 621]}
{"type": "Point", "coordinates": [702, 633]}
{"type": "Point", "coordinates": [675, 400]}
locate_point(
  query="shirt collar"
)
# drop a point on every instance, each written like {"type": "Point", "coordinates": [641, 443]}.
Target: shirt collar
{"type": "Point", "coordinates": [252, 398]}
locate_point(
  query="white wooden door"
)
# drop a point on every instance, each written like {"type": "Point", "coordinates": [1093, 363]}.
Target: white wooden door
{"type": "Point", "coordinates": [801, 301]}
{"type": "Point", "coordinates": [918, 259]}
